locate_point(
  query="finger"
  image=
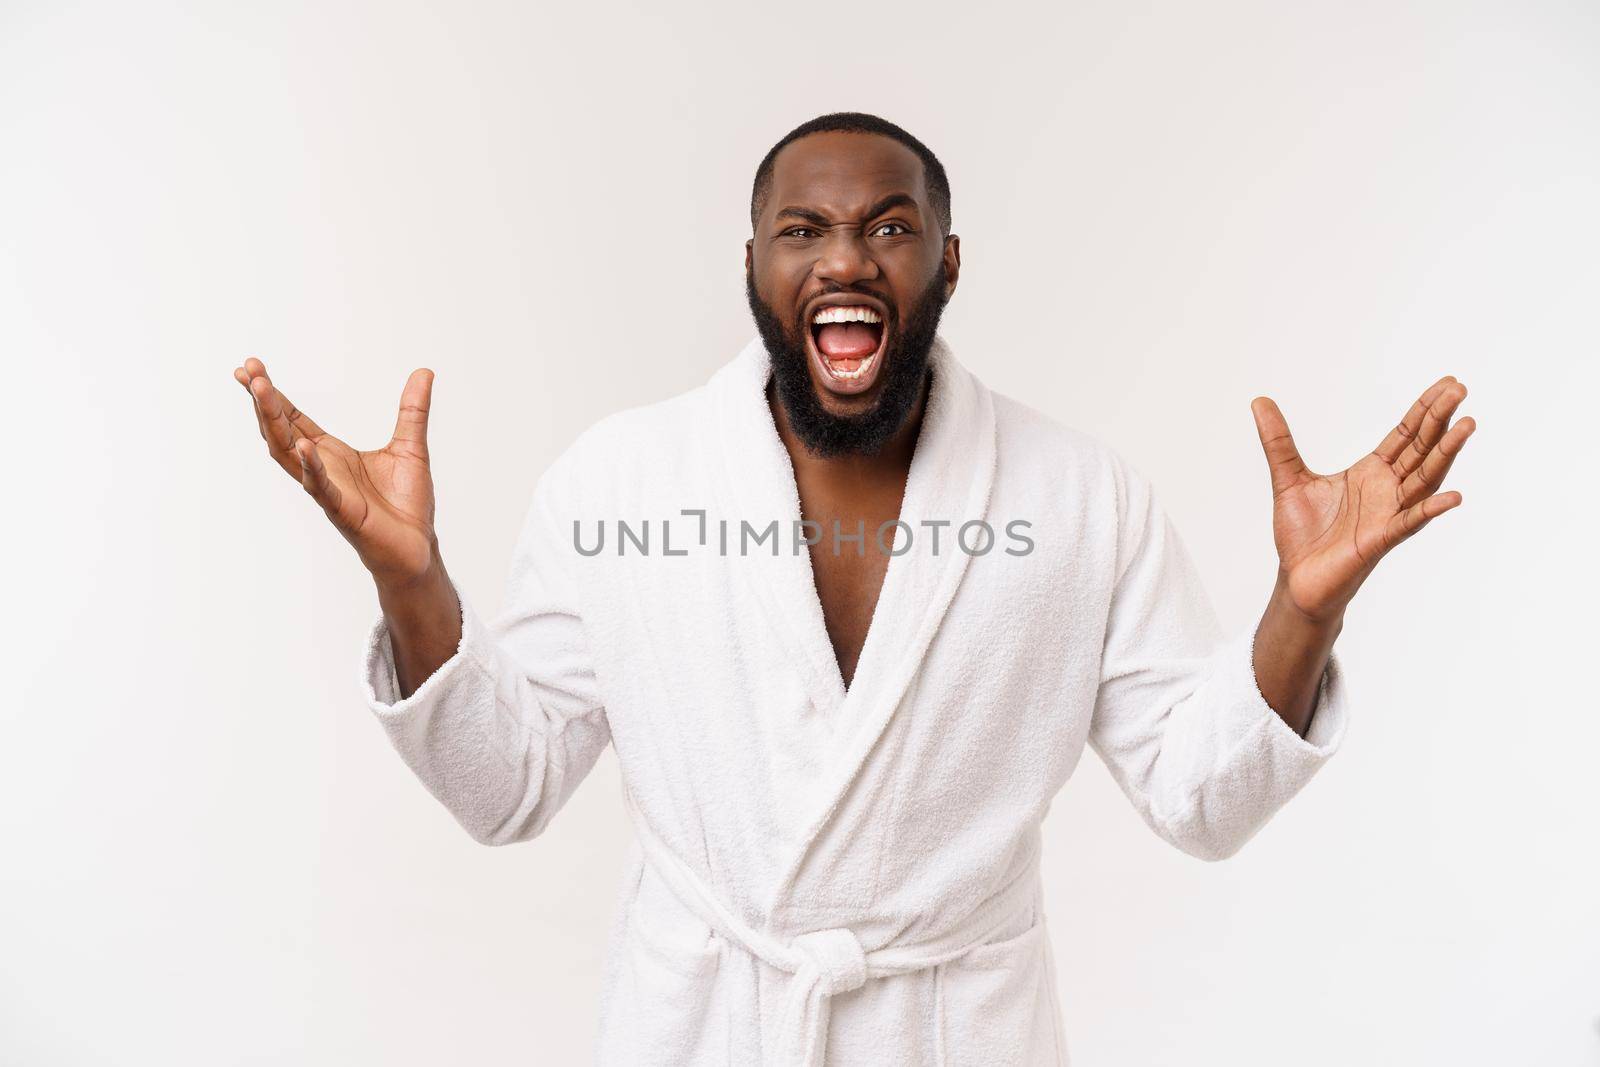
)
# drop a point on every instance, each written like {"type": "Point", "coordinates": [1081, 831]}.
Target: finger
{"type": "Point", "coordinates": [243, 377]}
{"type": "Point", "coordinates": [1430, 475]}
{"type": "Point", "coordinates": [1406, 429]}
{"type": "Point", "coordinates": [314, 476]}
{"type": "Point", "coordinates": [411, 425]}
{"type": "Point", "coordinates": [1283, 458]}
{"type": "Point", "coordinates": [302, 422]}
{"type": "Point", "coordinates": [280, 433]}
{"type": "Point", "coordinates": [254, 368]}
{"type": "Point", "coordinates": [277, 455]}
{"type": "Point", "coordinates": [1419, 515]}
{"type": "Point", "coordinates": [1432, 429]}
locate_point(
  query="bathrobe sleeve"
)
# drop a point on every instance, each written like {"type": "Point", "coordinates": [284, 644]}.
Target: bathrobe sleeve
{"type": "Point", "coordinates": [502, 733]}
{"type": "Point", "coordinates": [1179, 718]}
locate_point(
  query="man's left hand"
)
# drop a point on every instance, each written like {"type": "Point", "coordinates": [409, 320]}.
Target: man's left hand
{"type": "Point", "coordinates": [1332, 529]}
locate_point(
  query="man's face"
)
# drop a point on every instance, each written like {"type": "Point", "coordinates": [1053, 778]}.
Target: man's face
{"type": "Point", "coordinates": [847, 274]}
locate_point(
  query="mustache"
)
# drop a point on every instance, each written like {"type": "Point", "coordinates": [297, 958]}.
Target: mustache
{"type": "Point", "coordinates": [891, 323]}
{"type": "Point", "coordinates": [854, 290]}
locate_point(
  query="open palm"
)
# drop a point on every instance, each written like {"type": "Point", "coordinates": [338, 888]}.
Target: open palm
{"type": "Point", "coordinates": [1332, 529]}
{"type": "Point", "coordinates": [381, 501]}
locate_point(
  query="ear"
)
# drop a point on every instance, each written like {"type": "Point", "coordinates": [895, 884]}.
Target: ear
{"type": "Point", "coordinates": [952, 264]}
{"type": "Point", "coordinates": [748, 245]}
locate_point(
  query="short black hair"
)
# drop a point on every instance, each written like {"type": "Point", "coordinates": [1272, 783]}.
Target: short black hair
{"type": "Point", "coordinates": [858, 122]}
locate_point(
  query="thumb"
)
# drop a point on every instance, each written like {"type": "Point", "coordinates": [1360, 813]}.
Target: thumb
{"type": "Point", "coordinates": [1283, 458]}
{"type": "Point", "coordinates": [411, 425]}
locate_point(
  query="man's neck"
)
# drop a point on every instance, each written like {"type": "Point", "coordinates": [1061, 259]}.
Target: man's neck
{"type": "Point", "coordinates": [853, 472]}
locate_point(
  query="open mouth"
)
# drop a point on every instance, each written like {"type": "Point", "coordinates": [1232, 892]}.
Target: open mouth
{"type": "Point", "coordinates": [847, 342]}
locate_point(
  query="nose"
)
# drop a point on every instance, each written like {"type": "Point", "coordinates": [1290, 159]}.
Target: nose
{"type": "Point", "coordinates": [845, 259]}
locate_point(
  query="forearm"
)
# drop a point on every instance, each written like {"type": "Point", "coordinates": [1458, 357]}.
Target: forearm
{"type": "Point", "coordinates": [423, 617]}
{"type": "Point", "coordinates": [509, 720]}
{"type": "Point", "coordinates": [1291, 652]}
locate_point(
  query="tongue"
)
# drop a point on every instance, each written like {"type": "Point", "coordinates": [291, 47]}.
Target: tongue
{"type": "Point", "coordinates": [847, 340]}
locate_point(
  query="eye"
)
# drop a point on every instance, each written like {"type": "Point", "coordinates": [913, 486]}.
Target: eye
{"type": "Point", "coordinates": [889, 226]}
{"type": "Point", "coordinates": [798, 231]}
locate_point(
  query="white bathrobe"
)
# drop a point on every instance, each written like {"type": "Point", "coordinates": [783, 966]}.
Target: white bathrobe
{"type": "Point", "coordinates": [833, 876]}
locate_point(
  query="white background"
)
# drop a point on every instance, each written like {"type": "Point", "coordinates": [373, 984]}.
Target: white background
{"type": "Point", "coordinates": [210, 855]}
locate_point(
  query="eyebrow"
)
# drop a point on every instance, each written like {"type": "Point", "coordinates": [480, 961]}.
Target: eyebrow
{"type": "Point", "coordinates": [816, 218]}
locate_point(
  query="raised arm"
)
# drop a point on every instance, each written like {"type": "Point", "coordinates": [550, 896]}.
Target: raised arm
{"type": "Point", "coordinates": [1209, 735]}
{"type": "Point", "coordinates": [1332, 529]}
{"type": "Point", "coordinates": [382, 503]}
{"type": "Point", "coordinates": [500, 721]}
{"type": "Point", "coordinates": [1179, 719]}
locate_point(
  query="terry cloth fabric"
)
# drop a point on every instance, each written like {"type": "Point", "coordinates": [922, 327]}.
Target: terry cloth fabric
{"type": "Point", "coordinates": [823, 874]}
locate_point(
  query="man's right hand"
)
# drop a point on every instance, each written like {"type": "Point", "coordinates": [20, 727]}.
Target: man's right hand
{"type": "Point", "coordinates": [382, 502]}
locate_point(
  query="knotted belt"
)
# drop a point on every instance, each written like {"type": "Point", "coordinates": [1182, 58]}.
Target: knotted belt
{"type": "Point", "coordinates": [827, 962]}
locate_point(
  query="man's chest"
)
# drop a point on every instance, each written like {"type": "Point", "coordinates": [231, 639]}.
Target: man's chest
{"type": "Point", "coordinates": [849, 585]}
{"type": "Point", "coordinates": [849, 562]}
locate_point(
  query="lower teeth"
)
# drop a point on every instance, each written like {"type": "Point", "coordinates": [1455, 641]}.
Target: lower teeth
{"type": "Point", "coordinates": [850, 375]}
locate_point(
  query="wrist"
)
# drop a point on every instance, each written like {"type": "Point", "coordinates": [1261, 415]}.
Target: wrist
{"type": "Point", "coordinates": [1324, 619]}
{"type": "Point", "coordinates": [406, 597]}
{"type": "Point", "coordinates": [425, 620]}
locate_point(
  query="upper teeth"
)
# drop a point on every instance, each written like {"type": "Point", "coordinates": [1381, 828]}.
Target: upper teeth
{"type": "Point", "coordinates": [845, 314]}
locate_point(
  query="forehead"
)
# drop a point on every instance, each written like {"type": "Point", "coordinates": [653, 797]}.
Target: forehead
{"type": "Point", "coordinates": [845, 172]}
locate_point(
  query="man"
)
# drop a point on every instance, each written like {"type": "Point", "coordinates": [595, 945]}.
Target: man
{"type": "Point", "coordinates": [849, 619]}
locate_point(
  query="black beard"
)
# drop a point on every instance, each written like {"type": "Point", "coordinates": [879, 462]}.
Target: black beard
{"type": "Point", "coordinates": [822, 432]}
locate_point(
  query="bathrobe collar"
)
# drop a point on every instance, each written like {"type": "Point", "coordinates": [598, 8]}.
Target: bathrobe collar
{"type": "Point", "coordinates": [951, 476]}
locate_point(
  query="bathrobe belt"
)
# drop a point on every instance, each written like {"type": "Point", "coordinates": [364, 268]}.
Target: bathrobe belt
{"type": "Point", "coordinates": [826, 962]}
